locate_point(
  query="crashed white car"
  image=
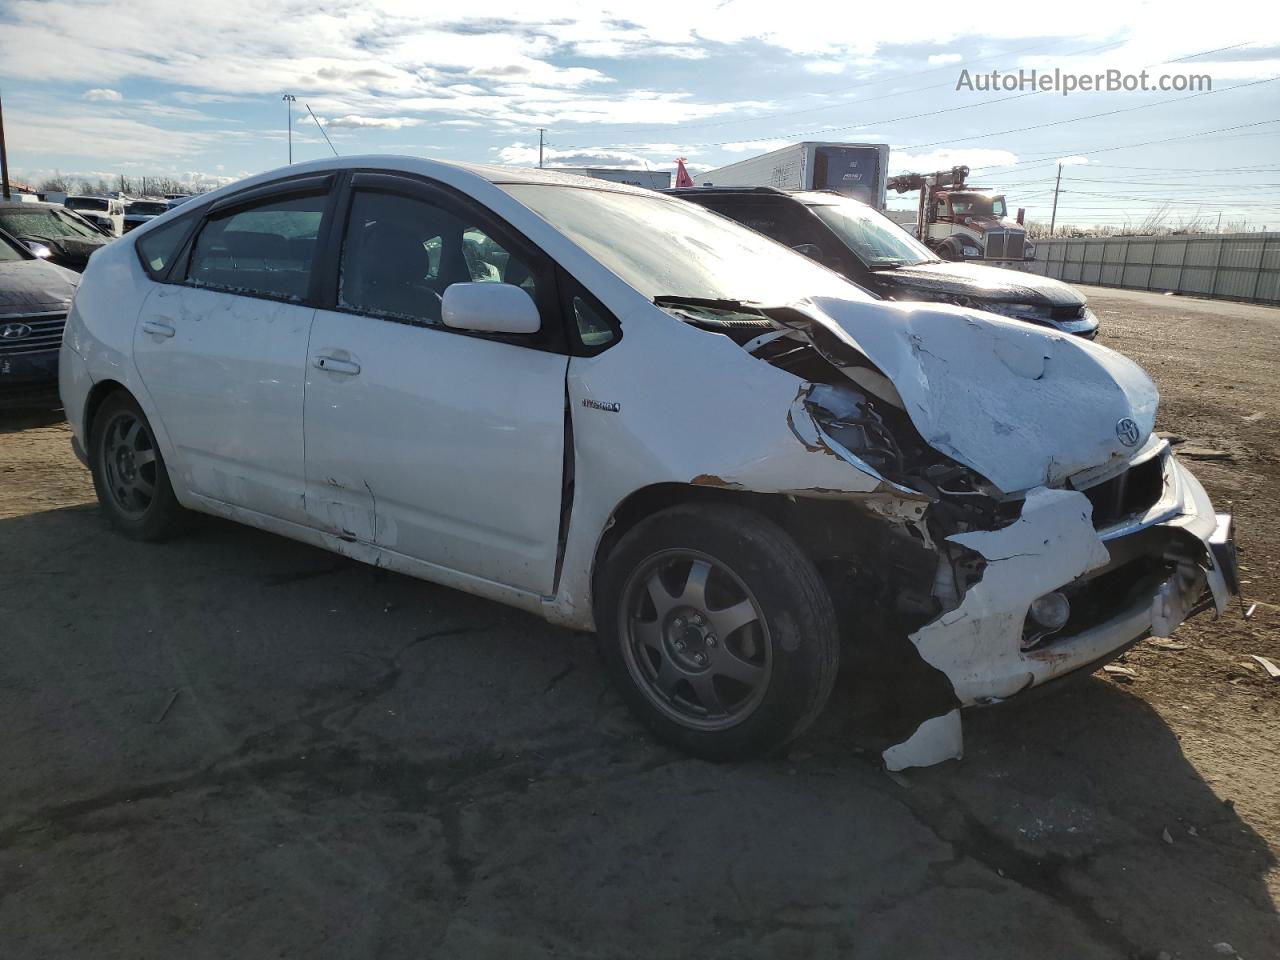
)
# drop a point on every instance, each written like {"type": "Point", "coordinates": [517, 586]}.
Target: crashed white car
{"type": "Point", "coordinates": [627, 414]}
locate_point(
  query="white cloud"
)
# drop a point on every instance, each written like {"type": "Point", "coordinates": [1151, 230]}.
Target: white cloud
{"type": "Point", "coordinates": [102, 94]}
{"type": "Point", "coordinates": [384, 123]}
{"type": "Point", "coordinates": [825, 66]}
{"type": "Point", "coordinates": [756, 146]}
{"type": "Point", "coordinates": [942, 59]}
{"type": "Point", "coordinates": [976, 159]}
{"type": "Point", "coordinates": [526, 154]}
{"type": "Point", "coordinates": [1072, 161]}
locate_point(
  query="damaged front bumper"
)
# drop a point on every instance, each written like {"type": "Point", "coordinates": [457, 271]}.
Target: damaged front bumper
{"type": "Point", "coordinates": [1139, 575]}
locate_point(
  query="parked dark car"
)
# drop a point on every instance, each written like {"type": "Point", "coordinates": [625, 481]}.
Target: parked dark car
{"type": "Point", "coordinates": [34, 298]}
{"type": "Point", "coordinates": [876, 253]}
{"type": "Point", "coordinates": [52, 232]}
{"type": "Point", "coordinates": [140, 211]}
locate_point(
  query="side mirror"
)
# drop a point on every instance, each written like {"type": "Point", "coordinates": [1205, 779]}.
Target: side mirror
{"type": "Point", "coordinates": [490, 308]}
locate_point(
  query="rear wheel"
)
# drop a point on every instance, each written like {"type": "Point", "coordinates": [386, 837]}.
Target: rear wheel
{"type": "Point", "coordinates": [129, 474]}
{"type": "Point", "coordinates": [718, 630]}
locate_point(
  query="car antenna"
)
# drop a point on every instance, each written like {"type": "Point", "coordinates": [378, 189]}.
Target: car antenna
{"type": "Point", "coordinates": [318, 124]}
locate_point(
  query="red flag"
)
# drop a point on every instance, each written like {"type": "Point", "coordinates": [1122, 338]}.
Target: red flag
{"type": "Point", "coordinates": [682, 175]}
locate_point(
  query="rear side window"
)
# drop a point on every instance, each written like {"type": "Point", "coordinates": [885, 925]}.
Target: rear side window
{"type": "Point", "coordinates": [265, 249]}
{"type": "Point", "coordinates": [160, 246]}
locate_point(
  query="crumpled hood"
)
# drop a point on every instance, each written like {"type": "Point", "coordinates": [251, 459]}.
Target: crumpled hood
{"type": "Point", "coordinates": [27, 285]}
{"type": "Point", "coordinates": [984, 283]}
{"type": "Point", "coordinates": [1023, 406]}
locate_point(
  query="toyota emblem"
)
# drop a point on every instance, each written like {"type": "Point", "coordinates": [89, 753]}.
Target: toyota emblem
{"type": "Point", "coordinates": [1127, 431]}
{"type": "Point", "coordinates": [14, 331]}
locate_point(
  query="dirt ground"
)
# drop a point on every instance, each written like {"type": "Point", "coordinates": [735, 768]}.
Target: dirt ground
{"type": "Point", "coordinates": [235, 745]}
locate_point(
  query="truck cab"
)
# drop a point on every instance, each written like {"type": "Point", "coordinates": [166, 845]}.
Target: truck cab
{"type": "Point", "coordinates": [973, 224]}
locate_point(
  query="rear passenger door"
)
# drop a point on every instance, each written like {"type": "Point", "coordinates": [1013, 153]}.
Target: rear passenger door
{"type": "Point", "coordinates": [438, 444]}
{"type": "Point", "coordinates": [221, 345]}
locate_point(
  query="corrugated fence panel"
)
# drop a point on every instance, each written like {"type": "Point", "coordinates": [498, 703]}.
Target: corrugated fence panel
{"type": "Point", "coordinates": [1232, 266]}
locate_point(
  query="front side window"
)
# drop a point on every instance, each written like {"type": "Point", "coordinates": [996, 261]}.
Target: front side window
{"type": "Point", "coordinates": [400, 254]}
{"type": "Point", "coordinates": [265, 249]}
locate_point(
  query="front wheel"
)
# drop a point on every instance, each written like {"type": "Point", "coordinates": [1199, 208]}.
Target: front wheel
{"type": "Point", "coordinates": [129, 474]}
{"type": "Point", "coordinates": [718, 630]}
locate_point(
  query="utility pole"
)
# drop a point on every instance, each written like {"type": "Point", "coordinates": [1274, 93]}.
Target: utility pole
{"type": "Point", "coordinates": [4, 159]}
{"type": "Point", "coordinates": [1219, 228]}
{"type": "Point", "coordinates": [1053, 217]}
{"type": "Point", "coordinates": [541, 131]}
{"type": "Point", "coordinates": [289, 99]}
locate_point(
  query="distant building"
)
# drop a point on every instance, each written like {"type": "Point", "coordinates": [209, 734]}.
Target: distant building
{"type": "Point", "coordinates": [652, 179]}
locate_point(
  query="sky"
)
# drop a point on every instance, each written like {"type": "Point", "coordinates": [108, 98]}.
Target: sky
{"type": "Point", "coordinates": [152, 87]}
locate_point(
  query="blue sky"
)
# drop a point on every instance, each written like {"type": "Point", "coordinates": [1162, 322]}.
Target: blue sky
{"type": "Point", "coordinates": [193, 90]}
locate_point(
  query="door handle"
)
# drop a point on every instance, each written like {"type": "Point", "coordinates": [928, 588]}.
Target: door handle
{"type": "Point", "coordinates": [158, 327]}
{"type": "Point", "coordinates": [336, 365]}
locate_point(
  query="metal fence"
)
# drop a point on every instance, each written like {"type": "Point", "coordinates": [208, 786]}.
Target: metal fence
{"type": "Point", "coordinates": [1238, 266]}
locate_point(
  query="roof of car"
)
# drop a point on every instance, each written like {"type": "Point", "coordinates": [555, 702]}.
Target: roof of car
{"type": "Point", "coordinates": [27, 204]}
{"type": "Point", "coordinates": [439, 169]}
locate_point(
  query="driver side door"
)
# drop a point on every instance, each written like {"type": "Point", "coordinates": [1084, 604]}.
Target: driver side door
{"type": "Point", "coordinates": [442, 445]}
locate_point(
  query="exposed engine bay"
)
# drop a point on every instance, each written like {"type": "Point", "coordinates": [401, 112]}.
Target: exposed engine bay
{"type": "Point", "coordinates": [978, 569]}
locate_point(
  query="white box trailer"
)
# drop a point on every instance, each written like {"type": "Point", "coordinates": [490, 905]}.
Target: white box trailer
{"type": "Point", "coordinates": [857, 170]}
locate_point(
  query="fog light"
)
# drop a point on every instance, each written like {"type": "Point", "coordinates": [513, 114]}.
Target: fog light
{"type": "Point", "coordinates": [1051, 611]}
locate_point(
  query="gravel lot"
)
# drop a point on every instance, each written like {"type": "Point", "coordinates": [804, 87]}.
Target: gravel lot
{"type": "Point", "coordinates": [235, 745]}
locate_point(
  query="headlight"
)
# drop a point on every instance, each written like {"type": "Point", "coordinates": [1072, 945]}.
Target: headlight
{"type": "Point", "coordinates": [971, 251]}
{"type": "Point", "coordinates": [1013, 309]}
{"type": "Point", "coordinates": [39, 249]}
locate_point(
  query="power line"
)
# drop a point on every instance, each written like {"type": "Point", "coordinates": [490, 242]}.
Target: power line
{"type": "Point", "coordinates": [1091, 116]}
{"type": "Point", "coordinates": [945, 110]}
{"type": "Point", "coordinates": [667, 128]}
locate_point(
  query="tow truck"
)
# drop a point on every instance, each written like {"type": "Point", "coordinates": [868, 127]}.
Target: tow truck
{"type": "Point", "coordinates": [962, 222]}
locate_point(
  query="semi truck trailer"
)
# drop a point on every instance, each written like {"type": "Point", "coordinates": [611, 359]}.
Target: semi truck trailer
{"type": "Point", "coordinates": [857, 170]}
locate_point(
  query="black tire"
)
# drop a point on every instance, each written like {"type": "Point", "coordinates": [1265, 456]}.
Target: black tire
{"type": "Point", "coordinates": [949, 251]}
{"type": "Point", "coordinates": [129, 473]}
{"type": "Point", "coordinates": [758, 687]}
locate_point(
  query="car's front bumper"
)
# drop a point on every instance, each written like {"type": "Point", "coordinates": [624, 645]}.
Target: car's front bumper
{"type": "Point", "coordinates": [28, 379]}
{"type": "Point", "coordinates": [1143, 575]}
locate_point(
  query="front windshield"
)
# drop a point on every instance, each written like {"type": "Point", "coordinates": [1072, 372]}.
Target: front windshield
{"type": "Point", "coordinates": [977, 205]}
{"type": "Point", "coordinates": [46, 222]}
{"type": "Point", "coordinates": [876, 239]}
{"type": "Point", "coordinates": [86, 203]}
{"type": "Point", "coordinates": [665, 247]}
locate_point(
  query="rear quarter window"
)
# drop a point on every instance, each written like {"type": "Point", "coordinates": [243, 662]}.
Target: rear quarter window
{"type": "Point", "coordinates": [157, 248]}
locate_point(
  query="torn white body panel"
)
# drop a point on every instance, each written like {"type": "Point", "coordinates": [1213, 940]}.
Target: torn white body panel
{"type": "Point", "coordinates": [993, 393]}
{"type": "Point", "coordinates": [979, 644]}
{"type": "Point", "coordinates": [935, 740]}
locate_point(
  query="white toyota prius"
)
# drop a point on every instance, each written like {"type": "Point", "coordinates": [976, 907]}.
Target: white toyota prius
{"type": "Point", "coordinates": [629, 415]}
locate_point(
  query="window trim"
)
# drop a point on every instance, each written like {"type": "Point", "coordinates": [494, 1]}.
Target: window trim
{"type": "Point", "coordinates": [313, 185]}
{"type": "Point", "coordinates": [551, 338]}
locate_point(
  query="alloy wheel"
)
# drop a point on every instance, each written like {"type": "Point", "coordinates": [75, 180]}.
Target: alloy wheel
{"type": "Point", "coordinates": [129, 463]}
{"type": "Point", "coordinates": [695, 639]}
